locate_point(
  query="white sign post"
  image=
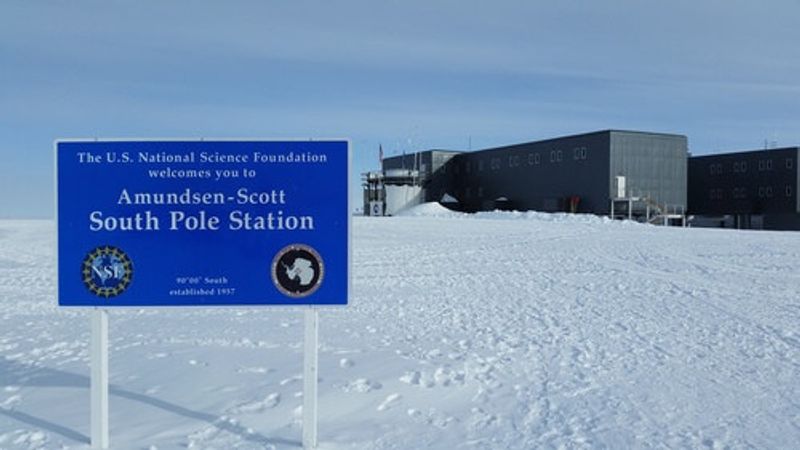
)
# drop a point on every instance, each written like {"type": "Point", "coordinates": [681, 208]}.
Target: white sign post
{"type": "Point", "coordinates": [99, 379]}
{"type": "Point", "coordinates": [100, 391]}
{"type": "Point", "coordinates": [310, 376]}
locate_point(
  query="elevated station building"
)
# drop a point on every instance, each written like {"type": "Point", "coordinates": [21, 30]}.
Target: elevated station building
{"type": "Point", "coordinates": [582, 173]}
{"type": "Point", "coordinates": [643, 174]}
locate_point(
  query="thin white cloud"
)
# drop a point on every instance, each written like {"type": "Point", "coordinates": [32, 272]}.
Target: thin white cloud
{"type": "Point", "coordinates": [410, 72]}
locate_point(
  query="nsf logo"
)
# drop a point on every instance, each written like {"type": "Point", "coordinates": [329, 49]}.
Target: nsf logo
{"type": "Point", "coordinates": [107, 271]}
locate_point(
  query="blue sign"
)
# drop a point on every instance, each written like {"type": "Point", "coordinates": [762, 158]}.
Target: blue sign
{"type": "Point", "coordinates": [178, 223]}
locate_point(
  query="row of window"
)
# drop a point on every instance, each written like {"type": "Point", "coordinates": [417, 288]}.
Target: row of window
{"type": "Point", "coordinates": [534, 159]}
{"type": "Point", "coordinates": [764, 165]}
{"type": "Point", "coordinates": [741, 192]}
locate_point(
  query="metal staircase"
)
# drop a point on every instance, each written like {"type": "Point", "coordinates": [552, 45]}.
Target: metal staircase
{"type": "Point", "coordinates": [664, 214]}
{"type": "Point", "coordinates": [643, 208]}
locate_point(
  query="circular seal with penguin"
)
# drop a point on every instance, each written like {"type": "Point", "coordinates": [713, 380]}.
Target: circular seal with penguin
{"type": "Point", "coordinates": [107, 271]}
{"type": "Point", "coordinates": [297, 270]}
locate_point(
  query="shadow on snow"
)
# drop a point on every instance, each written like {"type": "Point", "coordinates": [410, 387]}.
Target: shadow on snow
{"type": "Point", "coordinates": [16, 374]}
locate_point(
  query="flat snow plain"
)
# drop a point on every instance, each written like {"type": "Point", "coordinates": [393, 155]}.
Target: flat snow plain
{"type": "Point", "coordinates": [489, 331]}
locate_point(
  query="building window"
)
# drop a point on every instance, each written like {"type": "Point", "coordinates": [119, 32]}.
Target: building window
{"type": "Point", "coordinates": [788, 191]}
{"type": "Point", "coordinates": [513, 161]}
{"type": "Point", "coordinates": [715, 194]}
{"type": "Point", "coordinates": [552, 156]}
{"type": "Point", "coordinates": [789, 163]}
{"type": "Point", "coordinates": [579, 153]}
{"type": "Point", "coordinates": [768, 191]}
{"type": "Point", "coordinates": [739, 193]}
{"type": "Point", "coordinates": [740, 167]}
{"type": "Point", "coordinates": [495, 163]}
{"type": "Point", "coordinates": [715, 169]}
{"type": "Point", "coordinates": [559, 156]}
{"type": "Point", "coordinates": [533, 158]}
{"type": "Point", "coordinates": [765, 164]}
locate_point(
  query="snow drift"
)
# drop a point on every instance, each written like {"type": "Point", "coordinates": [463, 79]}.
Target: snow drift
{"type": "Point", "coordinates": [492, 331]}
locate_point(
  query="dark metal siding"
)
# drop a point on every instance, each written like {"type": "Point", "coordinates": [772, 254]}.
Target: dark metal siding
{"type": "Point", "coordinates": [438, 180]}
{"type": "Point", "coordinates": [538, 176]}
{"type": "Point", "coordinates": [754, 182]}
{"type": "Point", "coordinates": [654, 165]}
{"type": "Point", "coordinates": [433, 169]}
{"type": "Point", "coordinates": [409, 161]}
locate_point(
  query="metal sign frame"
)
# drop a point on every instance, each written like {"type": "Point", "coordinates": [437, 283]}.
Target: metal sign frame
{"type": "Point", "coordinates": [285, 304]}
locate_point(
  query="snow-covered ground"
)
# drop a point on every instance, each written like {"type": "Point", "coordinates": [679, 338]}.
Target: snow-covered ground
{"type": "Point", "coordinates": [495, 331]}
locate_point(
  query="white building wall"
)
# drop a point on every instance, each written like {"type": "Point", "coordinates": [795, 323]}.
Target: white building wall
{"type": "Point", "coordinates": [401, 197]}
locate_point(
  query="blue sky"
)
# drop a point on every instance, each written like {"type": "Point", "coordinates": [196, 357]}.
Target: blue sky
{"type": "Point", "coordinates": [405, 74]}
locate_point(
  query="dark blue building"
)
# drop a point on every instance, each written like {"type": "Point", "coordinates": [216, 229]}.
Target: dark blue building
{"type": "Point", "coordinates": [573, 173]}
{"type": "Point", "coordinates": [749, 189]}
